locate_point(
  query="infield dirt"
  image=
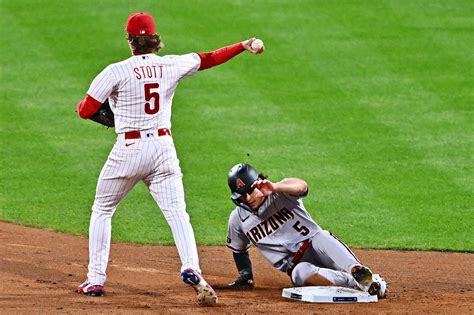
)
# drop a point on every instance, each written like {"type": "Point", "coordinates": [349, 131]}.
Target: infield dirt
{"type": "Point", "coordinates": [40, 270]}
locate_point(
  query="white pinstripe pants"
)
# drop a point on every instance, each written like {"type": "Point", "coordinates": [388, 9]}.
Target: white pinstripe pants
{"type": "Point", "coordinates": [151, 159]}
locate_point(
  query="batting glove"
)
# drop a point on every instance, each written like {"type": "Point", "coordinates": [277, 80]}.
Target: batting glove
{"type": "Point", "coordinates": [243, 282]}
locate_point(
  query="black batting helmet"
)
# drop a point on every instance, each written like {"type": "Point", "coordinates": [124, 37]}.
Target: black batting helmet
{"type": "Point", "coordinates": [240, 179]}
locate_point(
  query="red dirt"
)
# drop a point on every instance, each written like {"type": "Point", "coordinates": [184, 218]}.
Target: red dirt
{"type": "Point", "coordinates": [40, 270]}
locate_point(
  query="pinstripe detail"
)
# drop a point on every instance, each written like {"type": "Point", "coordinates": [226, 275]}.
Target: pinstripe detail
{"type": "Point", "coordinates": [151, 159]}
{"type": "Point", "coordinates": [126, 93]}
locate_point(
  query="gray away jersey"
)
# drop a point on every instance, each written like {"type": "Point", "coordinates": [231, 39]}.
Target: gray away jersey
{"type": "Point", "coordinates": [280, 224]}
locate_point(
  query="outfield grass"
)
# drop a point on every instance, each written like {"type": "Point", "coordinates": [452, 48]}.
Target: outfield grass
{"type": "Point", "coordinates": [369, 101]}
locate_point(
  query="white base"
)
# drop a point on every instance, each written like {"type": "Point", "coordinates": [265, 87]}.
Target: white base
{"type": "Point", "coordinates": [328, 295]}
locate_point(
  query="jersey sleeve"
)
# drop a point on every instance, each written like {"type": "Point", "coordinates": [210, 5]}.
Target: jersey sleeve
{"type": "Point", "coordinates": [291, 198]}
{"type": "Point", "coordinates": [188, 64]}
{"type": "Point", "coordinates": [102, 86]}
{"type": "Point", "coordinates": [298, 196]}
{"type": "Point", "coordinates": [236, 239]}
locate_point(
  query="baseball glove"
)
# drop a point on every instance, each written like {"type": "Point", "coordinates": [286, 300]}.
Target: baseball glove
{"type": "Point", "coordinates": [104, 115]}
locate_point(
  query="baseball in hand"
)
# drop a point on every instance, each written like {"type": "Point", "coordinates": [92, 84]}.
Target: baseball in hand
{"type": "Point", "coordinates": [257, 46]}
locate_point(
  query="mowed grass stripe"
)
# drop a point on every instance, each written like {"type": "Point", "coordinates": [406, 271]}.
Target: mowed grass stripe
{"type": "Point", "coordinates": [291, 112]}
{"type": "Point", "coordinates": [43, 174]}
{"type": "Point", "coordinates": [448, 74]}
{"type": "Point", "coordinates": [404, 176]}
{"type": "Point", "coordinates": [437, 183]}
{"type": "Point", "coordinates": [95, 143]}
{"type": "Point", "coordinates": [371, 223]}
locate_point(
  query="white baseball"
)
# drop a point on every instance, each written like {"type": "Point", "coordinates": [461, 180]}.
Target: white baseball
{"type": "Point", "coordinates": [257, 45]}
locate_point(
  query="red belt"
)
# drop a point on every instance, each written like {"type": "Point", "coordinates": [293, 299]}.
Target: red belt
{"type": "Point", "coordinates": [137, 134]}
{"type": "Point", "coordinates": [299, 254]}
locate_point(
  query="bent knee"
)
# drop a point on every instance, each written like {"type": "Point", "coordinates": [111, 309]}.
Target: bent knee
{"type": "Point", "coordinates": [302, 272]}
{"type": "Point", "coordinates": [103, 210]}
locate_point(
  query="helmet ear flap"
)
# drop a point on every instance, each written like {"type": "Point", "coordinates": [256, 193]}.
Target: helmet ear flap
{"type": "Point", "coordinates": [241, 204]}
{"type": "Point", "coordinates": [240, 179]}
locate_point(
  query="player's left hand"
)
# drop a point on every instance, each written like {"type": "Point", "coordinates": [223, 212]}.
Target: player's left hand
{"type": "Point", "coordinates": [265, 186]}
{"type": "Point", "coordinates": [104, 115]}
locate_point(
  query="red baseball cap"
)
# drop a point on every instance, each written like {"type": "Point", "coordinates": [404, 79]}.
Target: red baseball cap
{"type": "Point", "coordinates": [140, 24]}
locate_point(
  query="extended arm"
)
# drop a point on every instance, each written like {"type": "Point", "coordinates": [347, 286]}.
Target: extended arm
{"type": "Point", "coordinates": [244, 266]}
{"type": "Point", "coordinates": [292, 186]}
{"type": "Point", "coordinates": [219, 56]}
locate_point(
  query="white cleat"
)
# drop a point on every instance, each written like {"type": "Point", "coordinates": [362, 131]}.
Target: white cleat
{"type": "Point", "coordinates": [378, 287]}
{"type": "Point", "coordinates": [206, 295]}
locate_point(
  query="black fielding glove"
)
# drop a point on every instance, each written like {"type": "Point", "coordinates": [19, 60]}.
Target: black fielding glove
{"type": "Point", "coordinates": [104, 115]}
{"type": "Point", "coordinates": [243, 282]}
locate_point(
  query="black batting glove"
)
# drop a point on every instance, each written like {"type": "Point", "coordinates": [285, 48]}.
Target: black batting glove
{"type": "Point", "coordinates": [243, 282]}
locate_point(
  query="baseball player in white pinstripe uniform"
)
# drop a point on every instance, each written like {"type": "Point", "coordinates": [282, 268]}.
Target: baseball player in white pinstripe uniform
{"type": "Point", "coordinates": [272, 217]}
{"type": "Point", "coordinates": [140, 91]}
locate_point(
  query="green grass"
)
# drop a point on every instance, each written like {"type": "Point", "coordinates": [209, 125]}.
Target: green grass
{"type": "Point", "coordinates": [369, 101]}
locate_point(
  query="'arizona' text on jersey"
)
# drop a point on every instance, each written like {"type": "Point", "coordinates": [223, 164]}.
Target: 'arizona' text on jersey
{"type": "Point", "coordinates": [276, 228]}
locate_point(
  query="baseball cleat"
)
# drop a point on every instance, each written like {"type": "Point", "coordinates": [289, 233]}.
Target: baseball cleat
{"type": "Point", "coordinates": [205, 293]}
{"type": "Point", "coordinates": [90, 289]}
{"type": "Point", "coordinates": [378, 286]}
{"type": "Point", "coordinates": [191, 277]}
{"type": "Point", "coordinates": [363, 277]}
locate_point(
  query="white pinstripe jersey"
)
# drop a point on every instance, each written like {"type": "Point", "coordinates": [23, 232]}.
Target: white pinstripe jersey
{"type": "Point", "coordinates": [280, 224]}
{"type": "Point", "coordinates": [141, 89]}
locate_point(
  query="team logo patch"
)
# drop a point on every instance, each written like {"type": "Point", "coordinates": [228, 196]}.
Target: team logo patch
{"type": "Point", "coordinates": [239, 183]}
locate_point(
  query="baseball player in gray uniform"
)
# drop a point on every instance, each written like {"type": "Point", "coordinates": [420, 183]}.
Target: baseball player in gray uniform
{"type": "Point", "coordinates": [272, 217]}
{"type": "Point", "coordinates": [140, 90]}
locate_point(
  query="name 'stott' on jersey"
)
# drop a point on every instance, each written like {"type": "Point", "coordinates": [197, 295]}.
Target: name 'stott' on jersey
{"type": "Point", "coordinates": [140, 89]}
